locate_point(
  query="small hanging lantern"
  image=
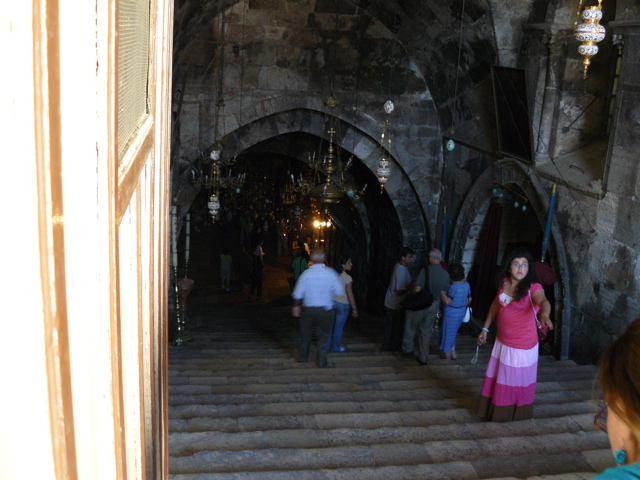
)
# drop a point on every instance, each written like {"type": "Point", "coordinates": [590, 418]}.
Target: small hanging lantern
{"type": "Point", "coordinates": [383, 170]}
{"type": "Point", "coordinates": [589, 33]}
{"type": "Point", "coordinates": [214, 206]}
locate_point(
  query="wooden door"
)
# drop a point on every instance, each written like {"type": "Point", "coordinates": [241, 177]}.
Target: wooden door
{"type": "Point", "coordinates": [87, 113]}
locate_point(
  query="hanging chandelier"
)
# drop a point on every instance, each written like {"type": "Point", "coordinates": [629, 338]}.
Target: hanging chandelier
{"type": "Point", "coordinates": [334, 187]}
{"type": "Point", "coordinates": [383, 170]}
{"type": "Point", "coordinates": [214, 178]}
{"type": "Point", "coordinates": [302, 185]}
{"type": "Point", "coordinates": [215, 181]}
{"type": "Point", "coordinates": [589, 33]}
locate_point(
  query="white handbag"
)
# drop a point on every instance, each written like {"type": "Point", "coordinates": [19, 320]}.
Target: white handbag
{"type": "Point", "coordinates": [467, 315]}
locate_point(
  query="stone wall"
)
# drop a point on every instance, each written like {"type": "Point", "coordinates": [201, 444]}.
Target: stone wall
{"type": "Point", "coordinates": [599, 273]}
{"type": "Point", "coordinates": [603, 234]}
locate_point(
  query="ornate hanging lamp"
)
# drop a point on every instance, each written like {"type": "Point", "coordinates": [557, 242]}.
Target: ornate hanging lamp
{"type": "Point", "coordinates": [328, 192]}
{"type": "Point", "coordinates": [331, 190]}
{"type": "Point", "coordinates": [216, 181]}
{"type": "Point", "coordinates": [383, 170]}
{"type": "Point", "coordinates": [589, 33]}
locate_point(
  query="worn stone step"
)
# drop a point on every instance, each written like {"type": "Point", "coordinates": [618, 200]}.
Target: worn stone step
{"type": "Point", "coordinates": [347, 364]}
{"type": "Point", "coordinates": [427, 375]}
{"type": "Point", "coordinates": [461, 386]}
{"type": "Point", "coordinates": [370, 419]}
{"type": "Point", "coordinates": [480, 451]}
{"type": "Point", "coordinates": [279, 366]}
{"type": "Point", "coordinates": [545, 394]}
{"type": "Point", "coordinates": [299, 405]}
{"type": "Point", "coordinates": [242, 407]}
{"type": "Point", "coordinates": [274, 368]}
{"type": "Point", "coordinates": [451, 470]}
{"type": "Point", "coordinates": [187, 443]}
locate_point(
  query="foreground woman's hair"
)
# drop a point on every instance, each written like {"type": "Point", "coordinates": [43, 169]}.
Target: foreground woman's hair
{"type": "Point", "coordinates": [619, 376]}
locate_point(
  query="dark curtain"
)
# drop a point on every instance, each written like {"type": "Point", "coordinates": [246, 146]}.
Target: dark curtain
{"type": "Point", "coordinates": [483, 284]}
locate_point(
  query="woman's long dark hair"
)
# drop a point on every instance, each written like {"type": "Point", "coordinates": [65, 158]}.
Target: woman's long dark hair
{"type": "Point", "coordinates": [341, 261]}
{"type": "Point", "coordinates": [522, 289]}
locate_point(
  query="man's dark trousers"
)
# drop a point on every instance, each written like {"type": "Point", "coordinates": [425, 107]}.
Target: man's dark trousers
{"type": "Point", "coordinates": [393, 330]}
{"type": "Point", "coordinates": [321, 319]}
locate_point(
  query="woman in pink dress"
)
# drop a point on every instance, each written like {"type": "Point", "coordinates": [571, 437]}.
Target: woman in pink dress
{"type": "Point", "coordinates": [510, 381]}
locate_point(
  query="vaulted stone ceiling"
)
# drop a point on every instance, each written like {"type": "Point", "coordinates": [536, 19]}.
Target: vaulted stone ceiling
{"type": "Point", "coordinates": [434, 36]}
{"type": "Point", "coordinates": [282, 58]}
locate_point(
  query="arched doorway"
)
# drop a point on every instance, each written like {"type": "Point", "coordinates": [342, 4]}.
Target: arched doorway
{"type": "Point", "coordinates": [514, 228]}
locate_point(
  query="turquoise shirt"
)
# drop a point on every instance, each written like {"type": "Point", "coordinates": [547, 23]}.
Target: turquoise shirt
{"type": "Point", "coordinates": [623, 472]}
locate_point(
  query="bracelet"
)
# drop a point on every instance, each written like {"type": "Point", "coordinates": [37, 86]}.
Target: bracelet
{"type": "Point", "coordinates": [485, 329]}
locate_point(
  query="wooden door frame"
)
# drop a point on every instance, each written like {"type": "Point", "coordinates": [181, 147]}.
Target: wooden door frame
{"type": "Point", "coordinates": [63, 106]}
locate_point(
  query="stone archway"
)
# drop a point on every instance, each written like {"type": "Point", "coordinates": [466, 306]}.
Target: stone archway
{"type": "Point", "coordinates": [464, 242]}
{"type": "Point", "coordinates": [284, 115]}
{"type": "Point", "coordinates": [391, 219]}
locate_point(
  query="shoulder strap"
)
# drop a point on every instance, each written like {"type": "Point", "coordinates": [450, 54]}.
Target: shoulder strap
{"type": "Point", "coordinates": [535, 315]}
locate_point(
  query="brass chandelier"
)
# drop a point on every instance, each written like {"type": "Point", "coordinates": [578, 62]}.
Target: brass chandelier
{"type": "Point", "coordinates": [334, 187]}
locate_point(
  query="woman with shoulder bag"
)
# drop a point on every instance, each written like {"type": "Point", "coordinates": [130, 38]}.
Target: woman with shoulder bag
{"type": "Point", "coordinates": [509, 384]}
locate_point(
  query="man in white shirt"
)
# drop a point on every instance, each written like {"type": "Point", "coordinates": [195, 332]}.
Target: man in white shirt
{"type": "Point", "coordinates": [398, 287]}
{"type": "Point", "coordinates": [315, 289]}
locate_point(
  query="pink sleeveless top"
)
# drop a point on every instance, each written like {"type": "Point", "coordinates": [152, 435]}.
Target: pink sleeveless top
{"type": "Point", "coordinates": [516, 320]}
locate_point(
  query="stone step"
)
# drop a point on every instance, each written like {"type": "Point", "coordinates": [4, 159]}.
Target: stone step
{"type": "Point", "coordinates": [372, 402]}
{"type": "Point", "coordinates": [278, 366]}
{"type": "Point", "coordinates": [274, 368]}
{"type": "Point", "coordinates": [364, 377]}
{"type": "Point", "coordinates": [186, 443]}
{"type": "Point", "coordinates": [451, 470]}
{"type": "Point", "coordinates": [352, 360]}
{"type": "Point", "coordinates": [370, 419]}
{"type": "Point", "coordinates": [242, 407]}
{"type": "Point", "coordinates": [544, 395]}
{"type": "Point", "coordinates": [392, 454]}
{"type": "Point", "coordinates": [463, 385]}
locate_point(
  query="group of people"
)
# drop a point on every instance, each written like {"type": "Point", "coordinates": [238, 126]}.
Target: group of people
{"type": "Point", "coordinates": [520, 308]}
{"type": "Point", "coordinates": [405, 320]}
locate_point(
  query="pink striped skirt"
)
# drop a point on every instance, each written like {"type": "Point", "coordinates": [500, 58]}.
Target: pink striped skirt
{"type": "Point", "coordinates": [509, 384]}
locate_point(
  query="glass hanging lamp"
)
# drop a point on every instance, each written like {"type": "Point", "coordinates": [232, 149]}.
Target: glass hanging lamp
{"type": "Point", "coordinates": [383, 170]}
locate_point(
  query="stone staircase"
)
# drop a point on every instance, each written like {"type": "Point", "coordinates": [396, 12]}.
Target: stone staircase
{"type": "Point", "coordinates": [241, 407]}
